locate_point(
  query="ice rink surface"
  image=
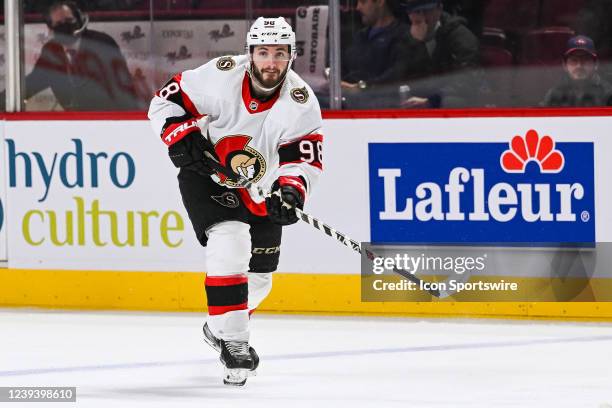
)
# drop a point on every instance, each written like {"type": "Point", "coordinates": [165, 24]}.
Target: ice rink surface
{"type": "Point", "coordinates": [160, 360]}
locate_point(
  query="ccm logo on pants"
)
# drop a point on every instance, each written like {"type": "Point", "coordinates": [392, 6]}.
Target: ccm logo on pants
{"type": "Point", "coordinates": [266, 251]}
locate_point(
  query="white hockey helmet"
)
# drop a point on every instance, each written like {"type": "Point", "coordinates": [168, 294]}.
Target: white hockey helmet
{"type": "Point", "coordinates": [268, 31]}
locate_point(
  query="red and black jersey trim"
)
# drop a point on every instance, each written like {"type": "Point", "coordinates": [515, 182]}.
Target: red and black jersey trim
{"type": "Point", "coordinates": [306, 149]}
{"type": "Point", "coordinates": [226, 293]}
{"type": "Point", "coordinates": [173, 92]}
{"type": "Point", "coordinates": [258, 209]}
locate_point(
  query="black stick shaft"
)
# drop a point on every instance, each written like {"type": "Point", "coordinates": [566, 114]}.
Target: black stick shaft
{"type": "Point", "coordinates": [356, 246]}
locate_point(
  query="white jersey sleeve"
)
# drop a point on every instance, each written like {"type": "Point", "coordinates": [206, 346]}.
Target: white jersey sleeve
{"type": "Point", "coordinates": [301, 145]}
{"type": "Point", "coordinates": [182, 99]}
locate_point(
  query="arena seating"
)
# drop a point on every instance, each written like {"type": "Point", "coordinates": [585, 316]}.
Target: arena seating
{"type": "Point", "coordinates": [511, 15]}
{"type": "Point", "coordinates": [559, 12]}
{"type": "Point", "coordinates": [544, 46]}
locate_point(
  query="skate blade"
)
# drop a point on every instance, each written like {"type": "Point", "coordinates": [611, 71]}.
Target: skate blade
{"type": "Point", "coordinates": [235, 376]}
{"type": "Point", "coordinates": [212, 344]}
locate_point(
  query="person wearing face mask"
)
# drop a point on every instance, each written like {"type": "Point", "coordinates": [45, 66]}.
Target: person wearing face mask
{"type": "Point", "coordinates": [582, 85]}
{"type": "Point", "coordinates": [84, 68]}
{"type": "Point", "coordinates": [443, 57]}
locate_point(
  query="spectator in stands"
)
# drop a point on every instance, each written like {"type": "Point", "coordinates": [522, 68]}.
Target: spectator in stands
{"type": "Point", "coordinates": [84, 68]}
{"type": "Point", "coordinates": [443, 58]}
{"type": "Point", "coordinates": [582, 85]}
{"type": "Point", "coordinates": [377, 54]}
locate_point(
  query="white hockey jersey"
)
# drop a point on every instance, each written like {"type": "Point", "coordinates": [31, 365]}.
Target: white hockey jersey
{"type": "Point", "coordinates": [262, 141]}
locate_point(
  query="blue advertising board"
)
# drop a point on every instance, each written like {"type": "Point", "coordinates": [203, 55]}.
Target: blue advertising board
{"type": "Point", "coordinates": [531, 190]}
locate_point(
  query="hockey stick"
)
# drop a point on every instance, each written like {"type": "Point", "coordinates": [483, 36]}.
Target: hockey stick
{"type": "Point", "coordinates": [317, 224]}
{"type": "Point", "coordinates": [354, 245]}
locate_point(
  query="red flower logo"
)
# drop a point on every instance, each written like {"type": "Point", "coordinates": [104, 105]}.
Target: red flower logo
{"type": "Point", "coordinates": [532, 147]}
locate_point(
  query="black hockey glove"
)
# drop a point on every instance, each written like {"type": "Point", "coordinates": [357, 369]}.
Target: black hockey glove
{"type": "Point", "coordinates": [194, 152]}
{"type": "Point", "coordinates": [292, 196]}
{"type": "Point", "coordinates": [188, 147]}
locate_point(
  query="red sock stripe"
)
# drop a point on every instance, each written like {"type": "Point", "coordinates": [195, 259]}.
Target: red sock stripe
{"type": "Point", "coordinates": [218, 310]}
{"type": "Point", "coordinates": [226, 280]}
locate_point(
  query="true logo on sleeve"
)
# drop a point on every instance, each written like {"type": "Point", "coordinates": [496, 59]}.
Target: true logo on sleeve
{"type": "Point", "coordinates": [225, 63]}
{"type": "Point", "coordinates": [300, 95]}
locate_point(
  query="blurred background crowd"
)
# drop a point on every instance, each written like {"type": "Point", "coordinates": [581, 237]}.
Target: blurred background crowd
{"type": "Point", "coordinates": [398, 54]}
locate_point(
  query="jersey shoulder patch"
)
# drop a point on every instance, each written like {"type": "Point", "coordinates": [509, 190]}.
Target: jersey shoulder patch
{"type": "Point", "coordinates": [299, 95]}
{"type": "Point", "coordinates": [226, 63]}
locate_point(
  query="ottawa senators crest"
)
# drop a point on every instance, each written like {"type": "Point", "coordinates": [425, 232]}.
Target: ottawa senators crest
{"type": "Point", "coordinates": [235, 153]}
{"type": "Point", "coordinates": [225, 63]}
{"type": "Point", "coordinates": [300, 95]}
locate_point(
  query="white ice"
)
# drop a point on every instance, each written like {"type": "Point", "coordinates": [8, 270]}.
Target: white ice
{"type": "Point", "coordinates": [160, 360]}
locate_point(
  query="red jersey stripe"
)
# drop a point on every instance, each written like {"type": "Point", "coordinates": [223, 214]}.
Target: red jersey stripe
{"type": "Point", "coordinates": [258, 209]}
{"type": "Point", "coordinates": [187, 102]}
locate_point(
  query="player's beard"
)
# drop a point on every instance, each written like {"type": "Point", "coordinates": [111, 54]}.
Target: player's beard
{"type": "Point", "coordinates": [268, 78]}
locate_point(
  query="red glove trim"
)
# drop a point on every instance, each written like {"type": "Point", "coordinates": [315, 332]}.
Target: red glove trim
{"type": "Point", "coordinates": [295, 182]}
{"type": "Point", "coordinates": [177, 131]}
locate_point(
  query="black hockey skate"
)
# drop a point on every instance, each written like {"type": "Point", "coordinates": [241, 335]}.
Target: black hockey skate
{"type": "Point", "coordinates": [215, 343]}
{"type": "Point", "coordinates": [237, 357]}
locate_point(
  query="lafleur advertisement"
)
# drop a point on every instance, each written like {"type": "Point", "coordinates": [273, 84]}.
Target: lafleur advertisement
{"type": "Point", "coordinates": [530, 190]}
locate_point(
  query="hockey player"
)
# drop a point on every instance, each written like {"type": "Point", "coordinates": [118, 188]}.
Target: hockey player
{"type": "Point", "coordinates": [247, 116]}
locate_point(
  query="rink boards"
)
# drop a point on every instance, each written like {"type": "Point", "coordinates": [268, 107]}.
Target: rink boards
{"type": "Point", "coordinates": [92, 217]}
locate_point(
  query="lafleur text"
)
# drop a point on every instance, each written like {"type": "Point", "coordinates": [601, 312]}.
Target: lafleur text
{"type": "Point", "coordinates": [501, 203]}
